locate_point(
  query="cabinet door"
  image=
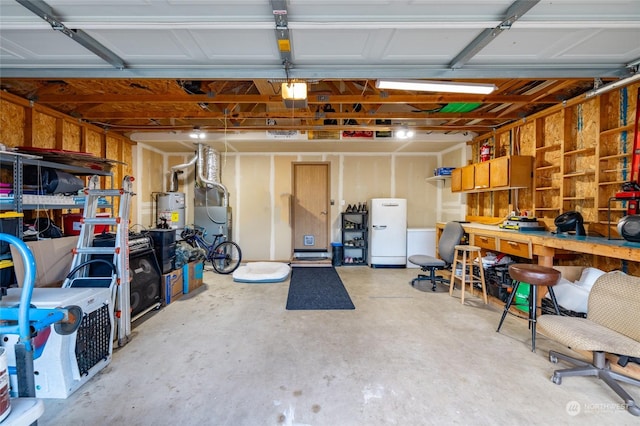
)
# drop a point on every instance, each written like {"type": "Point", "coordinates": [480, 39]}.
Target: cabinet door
{"type": "Point", "coordinates": [456, 180]}
{"type": "Point", "coordinates": [499, 172]}
{"type": "Point", "coordinates": [521, 171]}
{"type": "Point", "coordinates": [482, 175]}
{"type": "Point", "coordinates": [468, 178]}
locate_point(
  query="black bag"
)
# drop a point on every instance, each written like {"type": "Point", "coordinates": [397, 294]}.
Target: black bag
{"type": "Point", "coordinates": [57, 182]}
{"type": "Point", "coordinates": [53, 181]}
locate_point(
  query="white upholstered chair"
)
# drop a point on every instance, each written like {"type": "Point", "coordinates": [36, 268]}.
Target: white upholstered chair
{"type": "Point", "coordinates": [612, 326]}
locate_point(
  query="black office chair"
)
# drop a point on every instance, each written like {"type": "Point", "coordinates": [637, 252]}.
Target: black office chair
{"type": "Point", "coordinates": [450, 237]}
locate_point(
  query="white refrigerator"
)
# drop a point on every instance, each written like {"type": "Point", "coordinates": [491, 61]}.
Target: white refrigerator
{"type": "Point", "coordinates": [387, 232]}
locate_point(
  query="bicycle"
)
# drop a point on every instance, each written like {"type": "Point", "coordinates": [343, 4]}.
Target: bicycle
{"type": "Point", "coordinates": [224, 255]}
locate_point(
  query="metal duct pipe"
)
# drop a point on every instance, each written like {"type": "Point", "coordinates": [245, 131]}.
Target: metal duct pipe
{"type": "Point", "coordinates": [212, 171]}
{"type": "Point", "coordinates": [174, 181]}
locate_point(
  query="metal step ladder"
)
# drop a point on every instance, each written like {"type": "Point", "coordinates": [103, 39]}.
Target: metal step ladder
{"type": "Point", "coordinates": [119, 279]}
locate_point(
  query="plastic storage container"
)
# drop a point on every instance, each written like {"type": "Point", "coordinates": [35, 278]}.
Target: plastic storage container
{"type": "Point", "coordinates": [337, 253]}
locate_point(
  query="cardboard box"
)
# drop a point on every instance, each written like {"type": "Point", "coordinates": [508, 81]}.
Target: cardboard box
{"type": "Point", "coordinates": [172, 284]}
{"type": "Point", "coordinates": [193, 273]}
{"type": "Point", "coordinates": [53, 260]}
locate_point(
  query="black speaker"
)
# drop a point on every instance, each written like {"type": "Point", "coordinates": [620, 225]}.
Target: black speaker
{"type": "Point", "coordinates": [146, 279]}
{"type": "Point", "coordinates": [164, 246]}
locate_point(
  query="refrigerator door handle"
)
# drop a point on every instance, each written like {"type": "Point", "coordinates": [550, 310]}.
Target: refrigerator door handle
{"type": "Point", "coordinates": [379, 226]}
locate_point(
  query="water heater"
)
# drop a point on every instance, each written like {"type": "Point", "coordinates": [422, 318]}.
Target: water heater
{"type": "Point", "coordinates": [171, 209]}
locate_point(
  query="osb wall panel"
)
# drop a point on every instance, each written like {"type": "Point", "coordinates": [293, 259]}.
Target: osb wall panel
{"type": "Point", "coordinates": [632, 103]}
{"type": "Point", "coordinates": [126, 157]}
{"type": "Point", "coordinates": [617, 170]}
{"type": "Point", "coordinates": [503, 145]}
{"type": "Point", "coordinates": [526, 139]}
{"type": "Point", "coordinates": [524, 200]}
{"type": "Point", "coordinates": [618, 107]}
{"type": "Point", "coordinates": [71, 139]}
{"type": "Point", "coordinates": [44, 130]}
{"type": "Point", "coordinates": [112, 148]}
{"type": "Point", "coordinates": [94, 142]}
{"type": "Point", "coordinates": [12, 118]}
{"type": "Point", "coordinates": [149, 182]}
{"type": "Point", "coordinates": [589, 125]}
{"type": "Point", "coordinates": [582, 126]}
{"type": "Point", "coordinates": [548, 157]}
{"type": "Point", "coordinates": [554, 129]}
{"type": "Point", "coordinates": [610, 110]}
{"type": "Point", "coordinates": [473, 204]}
{"type": "Point", "coordinates": [614, 143]}
{"type": "Point", "coordinates": [501, 205]}
{"type": "Point", "coordinates": [120, 149]}
{"type": "Point", "coordinates": [48, 128]}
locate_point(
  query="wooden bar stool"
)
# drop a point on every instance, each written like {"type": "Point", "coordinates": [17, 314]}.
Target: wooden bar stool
{"type": "Point", "coordinates": [535, 276]}
{"type": "Point", "coordinates": [465, 256]}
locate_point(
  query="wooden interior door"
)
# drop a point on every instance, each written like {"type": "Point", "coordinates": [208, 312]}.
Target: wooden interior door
{"type": "Point", "coordinates": [310, 216]}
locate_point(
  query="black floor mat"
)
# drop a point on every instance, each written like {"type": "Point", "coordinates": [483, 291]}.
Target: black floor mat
{"type": "Point", "coordinates": [316, 289]}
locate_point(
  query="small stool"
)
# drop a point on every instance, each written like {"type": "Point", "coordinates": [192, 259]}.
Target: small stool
{"type": "Point", "coordinates": [465, 256]}
{"type": "Point", "coordinates": [534, 275]}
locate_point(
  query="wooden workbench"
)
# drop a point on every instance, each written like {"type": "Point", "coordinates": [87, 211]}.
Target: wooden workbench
{"type": "Point", "coordinates": [545, 245]}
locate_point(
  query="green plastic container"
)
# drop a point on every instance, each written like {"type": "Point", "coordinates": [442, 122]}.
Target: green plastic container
{"type": "Point", "coordinates": [521, 299]}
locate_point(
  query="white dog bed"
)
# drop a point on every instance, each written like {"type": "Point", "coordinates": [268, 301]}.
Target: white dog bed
{"type": "Point", "coordinates": [262, 272]}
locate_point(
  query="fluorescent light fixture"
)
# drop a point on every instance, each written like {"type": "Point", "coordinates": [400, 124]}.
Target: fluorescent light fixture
{"type": "Point", "coordinates": [436, 86]}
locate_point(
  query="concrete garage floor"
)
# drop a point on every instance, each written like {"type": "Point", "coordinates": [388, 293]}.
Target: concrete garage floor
{"type": "Point", "coordinates": [230, 354]}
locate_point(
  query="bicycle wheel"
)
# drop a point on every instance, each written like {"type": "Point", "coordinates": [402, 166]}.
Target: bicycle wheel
{"type": "Point", "coordinates": [226, 257]}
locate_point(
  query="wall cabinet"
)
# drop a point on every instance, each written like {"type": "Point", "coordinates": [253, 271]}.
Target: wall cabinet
{"type": "Point", "coordinates": [508, 172]}
{"type": "Point", "coordinates": [482, 175]}
{"type": "Point", "coordinates": [468, 177]}
{"type": "Point", "coordinates": [456, 180]}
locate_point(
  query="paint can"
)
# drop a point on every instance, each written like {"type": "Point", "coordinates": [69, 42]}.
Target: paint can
{"type": "Point", "coordinates": [5, 399]}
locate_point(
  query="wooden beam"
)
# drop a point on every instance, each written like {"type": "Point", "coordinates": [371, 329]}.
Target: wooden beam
{"type": "Point", "coordinates": [287, 113]}
{"type": "Point", "coordinates": [443, 128]}
{"type": "Point", "coordinates": [312, 99]}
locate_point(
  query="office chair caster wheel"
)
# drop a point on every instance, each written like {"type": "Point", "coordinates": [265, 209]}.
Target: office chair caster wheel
{"type": "Point", "coordinates": [633, 409]}
{"type": "Point", "coordinates": [553, 359]}
{"type": "Point", "coordinates": [556, 379]}
{"type": "Point", "coordinates": [433, 288]}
